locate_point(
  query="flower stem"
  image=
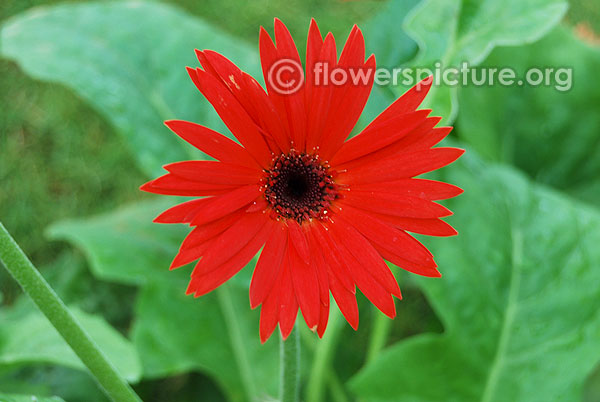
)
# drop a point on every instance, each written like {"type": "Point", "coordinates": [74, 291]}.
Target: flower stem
{"type": "Point", "coordinates": [324, 352]}
{"type": "Point", "coordinates": [379, 334]}
{"type": "Point", "coordinates": [289, 367]}
{"type": "Point", "coordinates": [61, 318]}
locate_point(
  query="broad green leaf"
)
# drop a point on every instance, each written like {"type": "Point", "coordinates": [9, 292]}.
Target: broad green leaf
{"type": "Point", "coordinates": [519, 300]}
{"type": "Point", "coordinates": [27, 398]}
{"type": "Point", "coordinates": [125, 245]}
{"type": "Point", "coordinates": [549, 133]}
{"type": "Point", "coordinates": [27, 337]}
{"type": "Point", "coordinates": [128, 61]}
{"type": "Point", "coordinates": [216, 334]}
{"type": "Point", "coordinates": [173, 333]}
{"type": "Point", "coordinates": [456, 31]}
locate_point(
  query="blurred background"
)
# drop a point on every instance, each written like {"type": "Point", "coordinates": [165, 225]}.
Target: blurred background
{"type": "Point", "coordinates": [80, 130]}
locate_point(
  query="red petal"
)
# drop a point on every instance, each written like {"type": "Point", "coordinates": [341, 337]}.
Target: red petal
{"type": "Point", "coordinates": [408, 102]}
{"type": "Point", "coordinates": [401, 166]}
{"type": "Point", "coordinates": [231, 241]}
{"type": "Point", "coordinates": [170, 184]}
{"type": "Point", "coordinates": [202, 284]}
{"type": "Point", "coordinates": [348, 101]}
{"type": "Point", "coordinates": [422, 188]}
{"type": "Point", "coordinates": [212, 143]}
{"type": "Point", "coordinates": [408, 265]}
{"type": "Point", "coordinates": [234, 116]}
{"type": "Point", "coordinates": [345, 300]}
{"type": "Point", "coordinates": [366, 255]}
{"type": "Point", "coordinates": [369, 286]}
{"type": "Point", "coordinates": [197, 241]}
{"type": "Point", "coordinates": [388, 237]}
{"type": "Point", "coordinates": [417, 140]}
{"type": "Point", "coordinates": [288, 306]}
{"type": "Point", "coordinates": [379, 136]}
{"type": "Point", "coordinates": [298, 240]}
{"type": "Point", "coordinates": [182, 213]}
{"type": "Point", "coordinates": [395, 204]}
{"type": "Point", "coordinates": [293, 102]}
{"type": "Point", "coordinates": [269, 312]}
{"type": "Point", "coordinates": [322, 274]}
{"type": "Point", "coordinates": [268, 267]}
{"type": "Point", "coordinates": [306, 287]}
{"type": "Point", "coordinates": [250, 95]}
{"type": "Point", "coordinates": [314, 44]}
{"type": "Point", "coordinates": [211, 172]}
{"type": "Point", "coordinates": [430, 227]}
{"type": "Point", "coordinates": [331, 257]}
{"type": "Point", "coordinates": [321, 96]}
{"type": "Point", "coordinates": [227, 203]}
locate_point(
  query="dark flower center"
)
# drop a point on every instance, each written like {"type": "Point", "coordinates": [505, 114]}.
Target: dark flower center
{"type": "Point", "coordinates": [298, 186]}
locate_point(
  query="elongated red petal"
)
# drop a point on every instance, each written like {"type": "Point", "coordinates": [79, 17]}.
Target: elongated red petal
{"type": "Point", "coordinates": [250, 95]}
{"type": "Point", "coordinates": [430, 227]}
{"type": "Point", "coordinates": [306, 287]}
{"type": "Point", "coordinates": [402, 166]}
{"type": "Point", "coordinates": [202, 284]}
{"type": "Point", "coordinates": [314, 44]}
{"type": "Point", "coordinates": [233, 115]}
{"type": "Point", "coordinates": [212, 143]}
{"type": "Point", "coordinates": [367, 256]}
{"type": "Point", "coordinates": [171, 184]}
{"type": "Point", "coordinates": [367, 284]}
{"type": "Point", "coordinates": [321, 94]}
{"type": "Point", "coordinates": [422, 188]}
{"type": "Point", "coordinates": [388, 237]}
{"type": "Point", "coordinates": [407, 265]}
{"type": "Point", "coordinates": [211, 172]}
{"type": "Point", "coordinates": [182, 213]}
{"type": "Point", "coordinates": [422, 137]}
{"type": "Point", "coordinates": [269, 311]}
{"type": "Point", "coordinates": [332, 258]}
{"type": "Point", "coordinates": [227, 203]}
{"type": "Point", "coordinates": [231, 241]}
{"type": "Point", "coordinates": [268, 267]}
{"type": "Point", "coordinates": [395, 204]}
{"type": "Point", "coordinates": [288, 305]}
{"type": "Point", "coordinates": [348, 101]}
{"type": "Point", "coordinates": [345, 300]}
{"type": "Point", "coordinates": [294, 101]}
{"type": "Point", "coordinates": [198, 240]}
{"type": "Point", "coordinates": [408, 102]}
{"type": "Point", "coordinates": [379, 136]}
{"type": "Point", "coordinates": [298, 240]}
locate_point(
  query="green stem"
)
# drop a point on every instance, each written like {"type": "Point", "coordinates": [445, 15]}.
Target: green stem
{"type": "Point", "coordinates": [289, 353]}
{"type": "Point", "coordinates": [61, 318]}
{"type": "Point", "coordinates": [237, 342]}
{"type": "Point", "coordinates": [381, 330]}
{"type": "Point", "coordinates": [322, 359]}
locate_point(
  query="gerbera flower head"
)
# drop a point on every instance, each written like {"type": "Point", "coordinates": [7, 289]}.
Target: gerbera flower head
{"type": "Point", "coordinates": [325, 210]}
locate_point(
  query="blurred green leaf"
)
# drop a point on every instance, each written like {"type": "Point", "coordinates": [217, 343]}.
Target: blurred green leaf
{"type": "Point", "coordinates": [456, 31]}
{"type": "Point", "coordinates": [519, 300]}
{"type": "Point", "coordinates": [125, 245]}
{"type": "Point", "coordinates": [133, 75]}
{"type": "Point", "coordinates": [216, 334]}
{"type": "Point", "coordinates": [27, 398]}
{"type": "Point", "coordinates": [550, 134]}
{"type": "Point", "coordinates": [173, 333]}
{"type": "Point", "coordinates": [26, 336]}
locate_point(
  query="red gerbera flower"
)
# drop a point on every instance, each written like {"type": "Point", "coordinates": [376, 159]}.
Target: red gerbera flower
{"type": "Point", "coordinates": [327, 211]}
